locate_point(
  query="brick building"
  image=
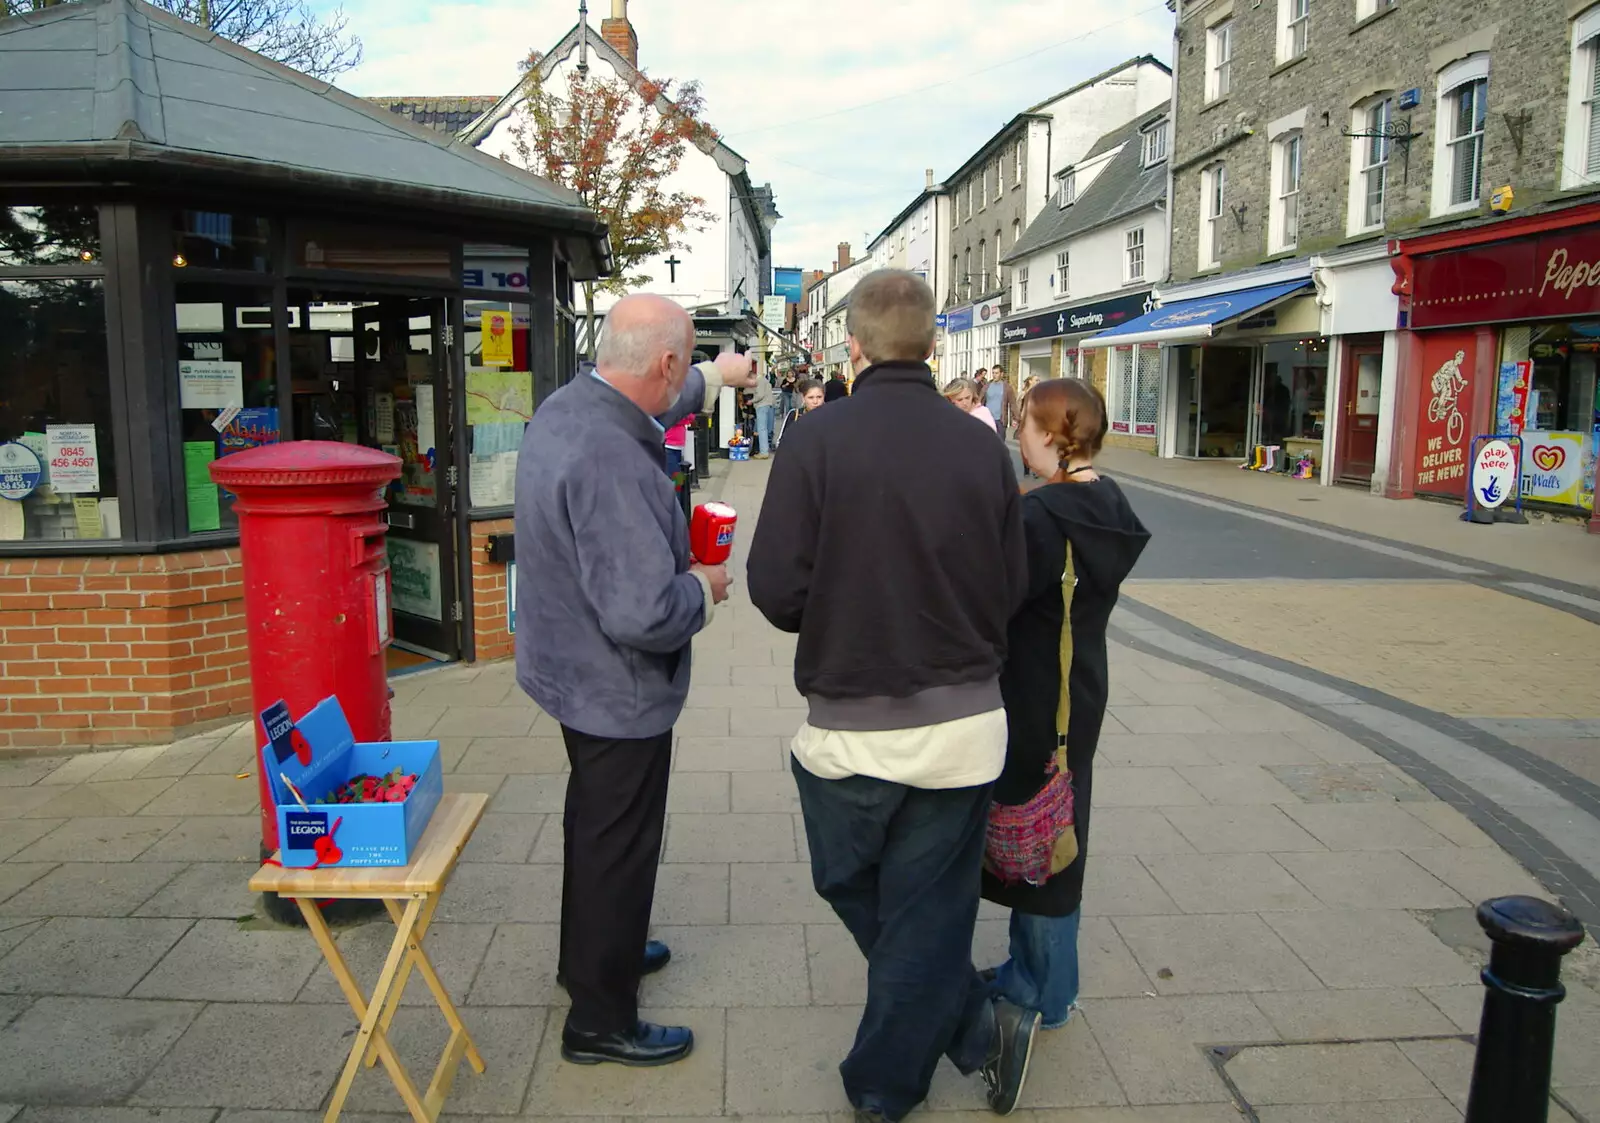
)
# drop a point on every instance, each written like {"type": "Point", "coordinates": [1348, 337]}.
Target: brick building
{"type": "Point", "coordinates": [1320, 147]}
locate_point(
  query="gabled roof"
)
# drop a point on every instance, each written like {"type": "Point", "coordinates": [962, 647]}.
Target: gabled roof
{"type": "Point", "coordinates": [1123, 187]}
{"type": "Point", "coordinates": [1137, 60]}
{"type": "Point", "coordinates": [732, 164]}
{"type": "Point", "coordinates": [444, 114]}
{"type": "Point", "coordinates": [118, 88]}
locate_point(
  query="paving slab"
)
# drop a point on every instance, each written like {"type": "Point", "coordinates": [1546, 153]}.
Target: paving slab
{"type": "Point", "coordinates": [762, 792]}
{"type": "Point", "coordinates": [1165, 719]}
{"type": "Point", "coordinates": [456, 951]}
{"type": "Point", "coordinates": [1351, 783]}
{"type": "Point", "coordinates": [692, 1087]}
{"type": "Point", "coordinates": [1435, 1109]}
{"type": "Point", "coordinates": [1214, 954]}
{"type": "Point", "coordinates": [811, 1040]}
{"type": "Point", "coordinates": [1265, 749]}
{"type": "Point", "coordinates": [116, 1115]}
{"type": "Point", "coordinates": [206, 795]}
{"type": "Point", "coordinates": [1350, 1014]}
{"type": "Point", "coordinates": [1447, 1063]}
{"type": "Point", "coordinates": [1116, 885]}
{"type": "Point", "coordinates": [1128, 831]}
{"type": "Point", "coordinates": [503, 837]}
{"type": "Point", "coordinates": [1374, 879]}
{"type": "Point", "coordinates": [513, 755]}
{"type": "Point", "coordinates": [1150, 750]}
{"type": "Point", "coordinates": [1237, 784]}
{"type": "Point", "coordinates": [1068, 1070]}
{"type": "Point", "coordinates": [730, 838]}
{"type": "Point", "coordinates": [698, 793]}
{"type": "Point", "coordinates": [1327, 1073]}
{"type": "Point", "coordinates": [838, 970]}
{"type": "Point", "coordinates": [84, 1051]}
{"type": "Point", "coordinates": [15, 929]}
{"type": "Point", "coordinates": [89, 888]}
{"type": "Point", "coordinates": [17, 876]}
{"type": "Point", "coordinates": [210, 838]}
{"type": "Point", "coordinates": [253, 1055]}
{"type": "Point", "coordinates": [1153, 1044]}
{"type": "Point", "coordinates": [87, 955]}
{"type": "Point", "coordinates": [1256, 829]}
{"type": "Point", "coordinates": [15, 834]}
{"type": "Point", "coordinates": [206, 889]}
{"type": "Point", "coordinates": [20, 801]}
{"type": "Point", "coordinates": [1356, 949]}
{"type": "Point", "coordinates": [775, 893]}
{"type": "Point", "coordinates": [1477, 874]}
{"type": "Point", "coordinates": [483, 721]}
{"type": "Point", "coordinates": [1142, 787]}
{"type": "Point", "coordinates": [119, 839]}
{"type": "Point", "coordinates": [691, 893]}
{"type": "Point", "coordinates": [1228, 883]}
{"type": "Point", "coordinates": [517, 967]}
{"type": "Point", "coordinates": [223, 961]}
{"type": "Point", "coordinates": [484, 892]}
{"type": "Point", "coordinates": [541, 793]}
{"type": "Point", "coordinates": [697, 753]}
{"type": "Point", "coordinates": [509, 1039]}
{"type": "Point", "coordinates": [731, 965]}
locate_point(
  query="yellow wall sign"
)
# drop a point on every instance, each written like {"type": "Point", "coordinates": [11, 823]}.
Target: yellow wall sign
{"type": "Point", "coordinates": [497, 346]}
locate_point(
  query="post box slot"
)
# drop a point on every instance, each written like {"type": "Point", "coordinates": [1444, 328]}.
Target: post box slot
{"type": "Point", "coordinates": [366, 544]}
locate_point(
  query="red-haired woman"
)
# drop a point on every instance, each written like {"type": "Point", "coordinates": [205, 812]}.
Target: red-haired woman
{"type": "Point", "coordinates": [1077, 510]}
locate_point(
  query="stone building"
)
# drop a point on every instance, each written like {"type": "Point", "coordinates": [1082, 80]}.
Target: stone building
{"type": "Point", "coordinates": [1322, 149]}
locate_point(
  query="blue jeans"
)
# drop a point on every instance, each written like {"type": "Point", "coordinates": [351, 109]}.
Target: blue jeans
{"type": "Point", "coordinates": [1042, 973]}
{"type": "Point", "coordinates": [764, 427]}
{"type": "Point", "coordinates": [900, 866]}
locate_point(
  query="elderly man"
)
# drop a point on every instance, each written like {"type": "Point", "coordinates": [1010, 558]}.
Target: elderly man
{"type": "Point", "coordinates": [877, 514]}
{"type": "Point", "coordinates": [610, 601]}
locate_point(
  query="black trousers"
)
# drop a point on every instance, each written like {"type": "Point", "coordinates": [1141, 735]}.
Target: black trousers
{"type": "Point", "coordinates": [616, 809]}
{"type": "Point", "coordinates": [900, 866]}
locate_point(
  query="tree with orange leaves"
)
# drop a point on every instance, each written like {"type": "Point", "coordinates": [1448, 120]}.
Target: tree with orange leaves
{"type": "Point", "coordinates": [616, 144]}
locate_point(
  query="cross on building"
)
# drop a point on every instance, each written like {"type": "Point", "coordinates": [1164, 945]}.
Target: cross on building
{"type": "Point", "coordinates": [672, 264]}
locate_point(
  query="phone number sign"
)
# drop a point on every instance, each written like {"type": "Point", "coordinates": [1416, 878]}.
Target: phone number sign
{"type": "Point", "coordinates": [20, 471]}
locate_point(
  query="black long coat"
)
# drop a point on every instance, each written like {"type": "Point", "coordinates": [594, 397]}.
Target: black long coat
{"type": "Point", "coordinates": [1106, 538]}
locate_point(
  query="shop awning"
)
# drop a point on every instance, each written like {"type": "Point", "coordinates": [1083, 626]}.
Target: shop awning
{"type": "Point", "coordinates": [1197, 318]}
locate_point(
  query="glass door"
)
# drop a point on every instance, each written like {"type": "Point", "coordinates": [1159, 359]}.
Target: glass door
{"type": "Point", "coordinates": [403, 390]}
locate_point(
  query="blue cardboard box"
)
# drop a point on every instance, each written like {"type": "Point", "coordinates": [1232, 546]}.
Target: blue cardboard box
{"type": "Point", "coordinates": [363, 834]}
{"type": "Point", "coordinates": [738, 452]}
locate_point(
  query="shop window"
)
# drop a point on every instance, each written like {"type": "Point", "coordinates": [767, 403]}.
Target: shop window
{"type": "Point", "coordinates": [499, 398]}
{"type": "Point", "coordinates": [58, 475]}
{"type": "Point", "coordinates": [1294, 390]}
{"type": "Point", "coordinates": [1369, 185]}
{"type": "Point", "coordinates": [216, 240]}
{"type": "Point", "coordinates": [1219, 60]}
{"type": "Point", "coordinates": [1135, 390]}
{"type": "Point", "coordinates": [1581, 165]}
{"type": "Point", "coordinates": [1213, 201]}
{"type": "Point", "coordinates": [1562, 391]}
{"type": "Point", "coordinates": [1458, 151]}
{"type": "Point", "coordinates": [57, 234]}
{"type": "Point", "coordinates": [1294, 28]}
{"type": "Point", "coordinates": [227, 390]}
{"type": "Point", "coordinates": [1284, 224]}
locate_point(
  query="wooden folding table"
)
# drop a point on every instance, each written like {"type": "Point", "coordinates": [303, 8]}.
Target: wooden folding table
{"type": "Point", "coordinates": [411, 894]}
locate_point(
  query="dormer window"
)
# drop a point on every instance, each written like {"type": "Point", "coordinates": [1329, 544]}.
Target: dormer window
{"type": "Point", "coordinates": [1155, 143]}
{"type": "Point", "coordinates": [1066, 188]}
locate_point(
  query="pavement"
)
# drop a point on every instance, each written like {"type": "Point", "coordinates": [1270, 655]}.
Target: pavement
{"type": "Point", "coordinates": [1277, 914]}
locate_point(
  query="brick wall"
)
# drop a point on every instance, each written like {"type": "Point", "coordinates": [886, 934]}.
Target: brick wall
{"type": "Point", "coordinates": [120, 651]}
{"type": "Point", "coordinates": [1348, 61]}
{"type": "Point", "coordinates": [489, 595]}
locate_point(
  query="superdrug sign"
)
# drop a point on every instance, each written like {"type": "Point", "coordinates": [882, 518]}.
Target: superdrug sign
{"type": "Point", "coordinates": [1082, 320]}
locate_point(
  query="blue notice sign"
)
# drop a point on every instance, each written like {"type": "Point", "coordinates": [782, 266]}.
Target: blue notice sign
{"type": "Point", "coordinates": [279, 728]}
{"type": "Point", "coordinates": [20, 471]}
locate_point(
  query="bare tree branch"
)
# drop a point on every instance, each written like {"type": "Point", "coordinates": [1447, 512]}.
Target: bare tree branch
{"type": "Point", "coordinates": [287, 31]}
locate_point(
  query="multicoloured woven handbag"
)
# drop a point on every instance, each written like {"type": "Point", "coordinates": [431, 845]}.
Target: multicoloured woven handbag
{"type": "Point", "coordinates": [1029, 842]}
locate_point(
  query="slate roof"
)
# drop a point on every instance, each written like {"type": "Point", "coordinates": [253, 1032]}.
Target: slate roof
{"type": "Point", "coordinates": [116, 89]}
{"type": "Point", "coordinates": [445, 114]}
{"type": "Point", "coordinates": [1123, 187]}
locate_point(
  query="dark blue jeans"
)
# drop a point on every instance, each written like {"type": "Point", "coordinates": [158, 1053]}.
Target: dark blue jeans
{"type": "Point", "coordinates": [901, 866]}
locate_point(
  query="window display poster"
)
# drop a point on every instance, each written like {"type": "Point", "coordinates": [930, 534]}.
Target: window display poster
{"type": "Point", "coordinates": [204, 511]}
{"type": "Point", "coordinates": [11, 521]}
{"type": "Point", "coordinates": [498, 348]}
{"type": "Point", "coordinates": [73, 457]}
{"type": "Point", "coordinates": [414, 578]}
{"type": "Point", "coordinates": [499, 397]}
{"type": "Point", "coordinates": [36, 443]}
{"type": "Point", "coordinates": [1552, 465]}
{"type": "Point", "coordinates": [208, 384]}
{"type": "Point", "coordinates": [249, 428]}
{"type": "Point", "coordinates": [1511, 405]}
{"type": "Point", "coordinates": [20, 470]}
{"type": "Point", "coordinates": [383, 418]}
{"type": "Point", "coordinates": [86, 513]}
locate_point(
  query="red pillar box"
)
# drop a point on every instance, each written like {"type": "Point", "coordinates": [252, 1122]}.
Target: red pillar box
{"type": "Point", "coordinates": [316, 582]}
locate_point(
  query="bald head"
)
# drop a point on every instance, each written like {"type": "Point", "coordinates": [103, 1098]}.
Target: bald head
{"type": "Point", "coordinates": [639, 330]}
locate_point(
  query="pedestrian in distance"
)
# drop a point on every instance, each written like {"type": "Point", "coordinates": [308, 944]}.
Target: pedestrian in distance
{"type": "Point", "coordinates": [810, 392]}
{"type": "Point", "coordinates": [1083, 539]}
{"type": "Point", "coordinates": [612, 601]}
{"type": "Point", "coordinates": [963, 394]}
{"type": "Point", "coordinates": [765, 400]}
{"type": "Point", "coordinates": [835, 388]}
{"type": "Point", "coordinates": [876, 517]}
{"type": "Point", "coordinates": [1001, 399]}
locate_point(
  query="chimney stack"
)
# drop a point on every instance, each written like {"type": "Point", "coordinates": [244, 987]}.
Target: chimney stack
{"type": "Point", "coordinates": [619, 33]}
{"type": "Point", "coordinates": [929, 185]}
{"type": "Point", "coordinates": [844, 257]}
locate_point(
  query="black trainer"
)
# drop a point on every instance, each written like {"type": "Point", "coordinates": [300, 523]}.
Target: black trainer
{"type": "Point", "coordinates": [1006, 1069]}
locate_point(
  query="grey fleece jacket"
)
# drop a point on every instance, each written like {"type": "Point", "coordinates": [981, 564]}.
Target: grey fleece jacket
{"type": "Point", "coordinates": [606, 605]}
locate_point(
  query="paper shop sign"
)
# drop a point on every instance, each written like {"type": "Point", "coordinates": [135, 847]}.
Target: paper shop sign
{"type": "Point", "coordinates": [1552, 466]}
{"type": "Point", "coordinates": [74, 458]}
{"type": "Point", "coordinates": [1556, 274]}
{"type": "Point", "coordinates": [20, 471]}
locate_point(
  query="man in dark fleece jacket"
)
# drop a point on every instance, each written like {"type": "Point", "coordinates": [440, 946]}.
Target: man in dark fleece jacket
{"type": "Point", "coordinates": [610, 602]}
{"type": "Point", "coordinates": [880, 516]}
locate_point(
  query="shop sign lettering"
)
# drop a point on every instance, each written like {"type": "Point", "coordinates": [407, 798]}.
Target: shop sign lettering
{"type": "Point", "coordinates": [1494, 474]}
{"type": "Point", "coordinates": [1521, 278]}
{"type": "Point", "coordinates": [1442, 464]}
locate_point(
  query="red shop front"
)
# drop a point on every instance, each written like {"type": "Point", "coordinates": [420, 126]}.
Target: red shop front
{"type": "Point", "coordinates": [1500, 333]}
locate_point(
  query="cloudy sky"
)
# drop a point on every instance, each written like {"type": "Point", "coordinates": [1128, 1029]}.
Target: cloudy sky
{"type": "Point", "coordinates": [839, 104]}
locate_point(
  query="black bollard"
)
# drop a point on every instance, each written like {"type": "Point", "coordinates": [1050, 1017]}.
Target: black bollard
{"type": "Point", "coordinates": [1511, 1073]}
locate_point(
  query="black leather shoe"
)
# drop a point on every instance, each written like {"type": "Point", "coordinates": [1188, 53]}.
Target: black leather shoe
{"type": "Point", "coordinates": [647, 1046]}
{"type": "Point", "coordinates": [656, 956]}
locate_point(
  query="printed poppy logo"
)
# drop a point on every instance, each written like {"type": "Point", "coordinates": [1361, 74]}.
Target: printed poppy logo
{"type": "Point", "coordinates": [302, 747]}
{"type": "Point", "coordinates": [1549, 458]}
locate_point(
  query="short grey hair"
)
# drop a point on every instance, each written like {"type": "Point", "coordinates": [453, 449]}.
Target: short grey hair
{"type": "Point", "coordinates": [634, 347]}
{"type": "Point", "coordinates": [891, 317]}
